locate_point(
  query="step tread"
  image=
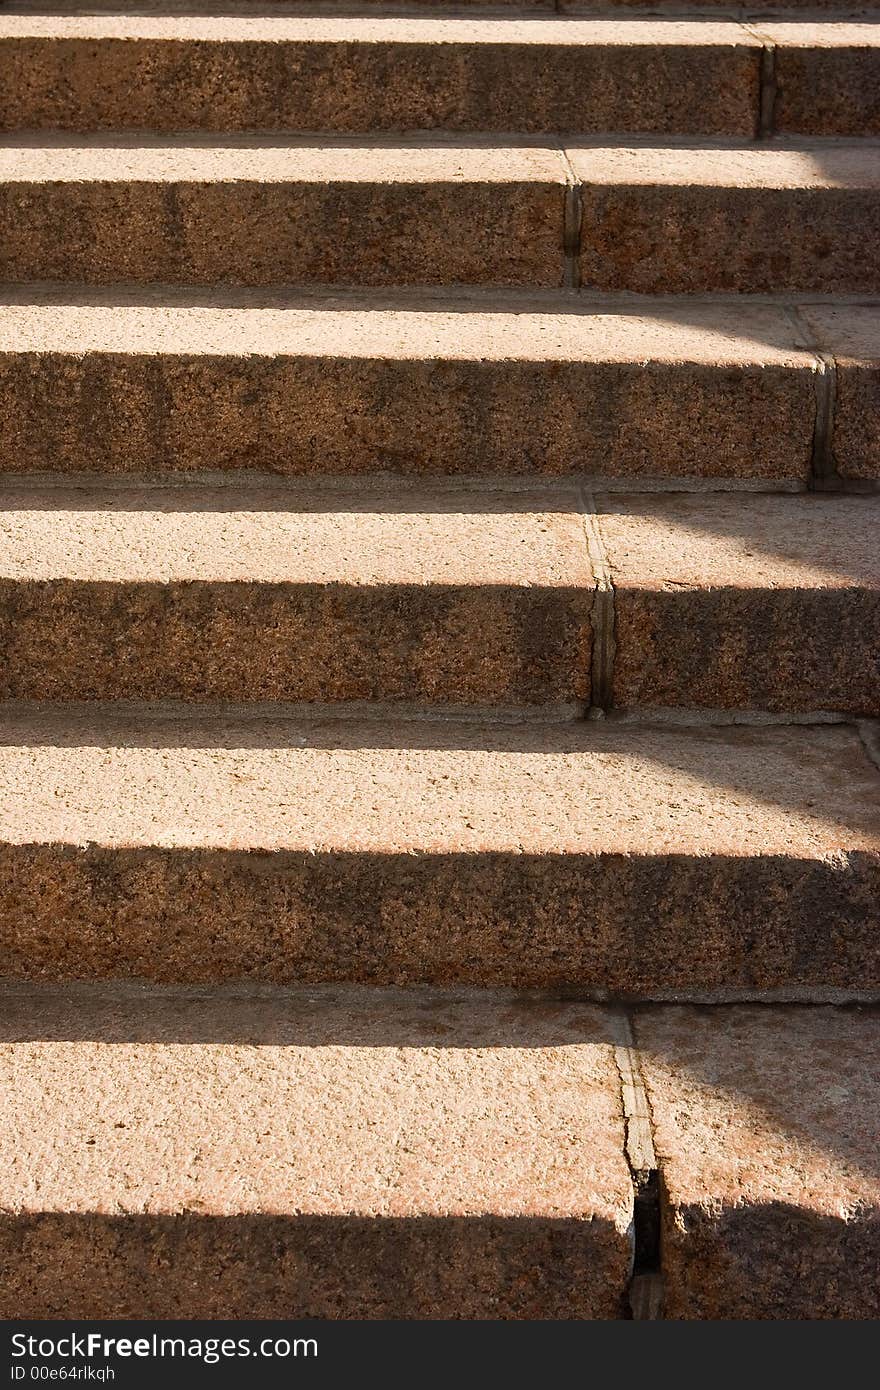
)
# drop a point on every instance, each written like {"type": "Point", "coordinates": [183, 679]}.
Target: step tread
{"type": "Point", "coordinates": [643, 31]}
{"type": "Point", "coordinates": [765, 1124]}
{"type": "Point", "coordinates": [764, 542]}
{"type": "Point", "coordinates": [304, 535]}
{"type": "Point", "coordinates": [303, 1137]}
{"type": "Point", "coordinates": [259, 161]}
{"type": "Point", "coordinates": [535, 1087]}
{"type": "Point", "coordinates": [824, 33]}
{"type": "Point", "coordinates": [503, 329]}
{"type": "Point", "coordinates": [332, 533]}
{"type": "Point", "coordinates": [809, 166]}
{"type": "Point", "coordinates": [852, 333]}
{"type": "Point", "coordinates": [89, 158]}
{"type": "Point", "coordinates": [419, 29]}
{"type": "Point", "coordinates": [425, 787]}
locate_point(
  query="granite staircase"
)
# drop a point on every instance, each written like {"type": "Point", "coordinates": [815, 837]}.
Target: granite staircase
{"type": "Point", "coordinates": [440, 676]}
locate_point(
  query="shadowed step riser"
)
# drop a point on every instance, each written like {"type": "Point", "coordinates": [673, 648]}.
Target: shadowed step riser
{"type": "Point", "coordinates": [165, 390]}
{"type": "Point", "coordinates": [634, 927]}
{"type": "Point", "coordinates": [363, 75]}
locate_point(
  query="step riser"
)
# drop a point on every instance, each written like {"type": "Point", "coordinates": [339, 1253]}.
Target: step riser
{"type": "Point", "coordinates": [784, 651]}
{"type": "Point", "coordinates": [827, 91]}
{"type": "Point", "coordinates": [354, 88]}
{"type": "Point", "coordinates": [429, 594]}
{"type": "Point", "coordinates": [690, 240]}
{"type": "Point", "coordinates": [649, 240]}
{"type": "Point", "coordinates": [358, 88]}
{"type": "Point", "coordinates": [616, 926]}
{"type": "Point", "coordinates": [284, 233]}
{"type": "Point", "coordinates": [254, 1266]}
{"type": "Point", "coordinates": [94, 412]}
{"type": "Point", "coordinates": [69, 640]}
{"type": "Point", "coordinates": [791, 651]}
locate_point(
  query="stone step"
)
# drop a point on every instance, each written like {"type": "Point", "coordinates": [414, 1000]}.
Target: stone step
{"type": "Point", "coordinates": [756, 602]}
{"type": "Point", "coordinates": [764, 219]}
{"type": "Point", "coordinates": [374, 73]}
{"type": "Point", "coordinates": [230, 594]}
{"type": "Point", "coordinates": [254, 213]}
{"type": "Point", "coordinates": [428, 1153]}
{"type": "Point", "coordinates": [366, 1154]}
{"type": "Point", "coordinates": [439, 596]}
{"type": "Point", "coordinates": [615, 860]}
{"type": "Point", "coordinates": [765, 1125]}
{"type": "Point", "coordinates": [119, 382]}
{"type": "Point", "coordinates": [759, 219]}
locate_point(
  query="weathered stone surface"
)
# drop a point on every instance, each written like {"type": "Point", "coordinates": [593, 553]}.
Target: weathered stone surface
{"type": "Point", "coordinates": [370, 74]}
{"type": "Point", "coordinates": [632, 861]}
{"type": "Point", "coordinates": [827, 78]}
{"type": "Point", "coordinates": [336, 1154]}
{"type": "Point", "coordinates": [115, 383]}
{"type": "Point", "coordinates": [852, 336]}
{"type": "Point", "coordinates": [765, 1125]}
{"type": "Point", "coordinates": [254, 213]}
{"type": "Point", "coordinates": [753, 602]}
{"type": "Point", "coordinates": [754, 220]}
{"type": "Point", "coordinates": [322, 594]}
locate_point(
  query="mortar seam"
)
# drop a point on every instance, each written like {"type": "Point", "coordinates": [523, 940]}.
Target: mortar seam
{"type": "Point", "coordinates": [571, 225]}
{"type": "Point", "coordinates": [644, 1289]}
{"type": "Point", "coordinates": [768, 88]}
{"type": "Point", "coordinates": [602, 615]}
{"type": "Point", "coordinates": [824, 476]}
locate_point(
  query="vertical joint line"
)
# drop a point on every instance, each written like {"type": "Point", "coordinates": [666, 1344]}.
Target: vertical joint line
{"type": "Point", "coordinates": [765, 123]}
{"type": "Point", "coordinates": [602, 612]}
{"type": "Point", "coordinates": [824, 476]}
{"type": "Point", "coordinates": [646, 1288]}
{"type": "Point", "coordinates": [768, 93]}
{"type": "Point", "coordinates": [571, 227]}
{"type": "Point", "coordinates": [823, 471]}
